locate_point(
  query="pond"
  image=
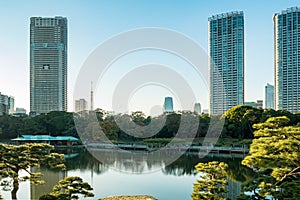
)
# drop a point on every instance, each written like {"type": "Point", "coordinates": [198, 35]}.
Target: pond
{"type": "Point", "coordinates": [121, 174]}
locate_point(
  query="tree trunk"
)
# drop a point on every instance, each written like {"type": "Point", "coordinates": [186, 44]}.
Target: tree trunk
{"type": "Point", "coordinates": [15, 188]}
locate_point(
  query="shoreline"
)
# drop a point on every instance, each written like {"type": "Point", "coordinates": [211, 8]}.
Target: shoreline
{"type": "Point", "coordinates": [137, 197]}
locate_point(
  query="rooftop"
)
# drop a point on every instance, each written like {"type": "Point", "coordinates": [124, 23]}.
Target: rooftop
{"type": "Point", "coordinates": [289, 10]}
{"type": "Point", "coordinates": [225, 15]}
{"type": "Point", "coordinates": [45, 138]}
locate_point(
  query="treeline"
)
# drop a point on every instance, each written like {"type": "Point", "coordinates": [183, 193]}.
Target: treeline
{"type": "Point", "coordinates": [239, 120]}
{"type": "Point", "coordinates": [238, 124]}
{"type": "Point", "coordinates": [137, 126]}
{"type": "Point", "coordinates": [54, 123]}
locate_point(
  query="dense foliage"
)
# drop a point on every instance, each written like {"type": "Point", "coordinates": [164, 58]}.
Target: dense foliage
{"type": "Point", "coordinates": [69, 188]}
{"type": "Point", "coordinates": [238, 124]}
{"type": "Point", "coordinates": [274, 155]}
{"type": "Point", "coordinates": [13, 159]}
{"type": "Point", "coordinates": [240, 119]}
{"type": "Point", "coordinates": [212, 182]}
{"type": "Point", "coordinates": [54, 123]}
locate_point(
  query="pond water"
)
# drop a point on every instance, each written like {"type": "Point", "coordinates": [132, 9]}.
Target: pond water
{"type": "Point", "coordinates": [123, 175]}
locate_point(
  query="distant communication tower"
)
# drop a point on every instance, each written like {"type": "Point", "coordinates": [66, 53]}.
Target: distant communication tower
{"type": "Point", "coordinates": [92, 97]}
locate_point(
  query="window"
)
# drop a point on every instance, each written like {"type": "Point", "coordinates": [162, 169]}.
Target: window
{"type": "Point", "coordinates": [46, 67]}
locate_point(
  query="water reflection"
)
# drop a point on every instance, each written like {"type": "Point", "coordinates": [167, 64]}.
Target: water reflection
{"type": "Point", "coordinates": [51, 177]}
{"type": "Point", "coordinates": [90, 168]}
{"type": "Point", "coordinates": [185, 165]}
{"type": "Point", "coordinates": [85, 161]}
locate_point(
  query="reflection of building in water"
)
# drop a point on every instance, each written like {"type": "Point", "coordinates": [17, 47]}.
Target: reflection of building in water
{"type": "Point", "coordinates": [51, 178]}
{"type": "Point", "coordinates": [234, 189]}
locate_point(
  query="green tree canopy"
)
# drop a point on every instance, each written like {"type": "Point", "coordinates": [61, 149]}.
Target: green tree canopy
{"type": "Point", "coordinates": [13, 159]}
{"type": "Point", "coordinates": [212, 182]}
{"type": "Point", "coordinates": [69, 188]}
{"type": "Point", "coordinates": [239, 121]}
{"type": "Point", "coordinates": [274, 155]}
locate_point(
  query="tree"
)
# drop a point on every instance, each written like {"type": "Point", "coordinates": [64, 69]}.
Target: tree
{"type": "Point", "coordinates": [69, 188]}
{"type": "Point", "coordinates": [139, 118]}
{"type": "Point", "coordinates": [239, 121]}
{"type": "Point", "coordinates": [212, 182]}
{"type": "Point", "coordinates": [274, 155]}
{"type": "Point", "coordinates": [101, 114]}
{"type": "Point", "coordinates": [204, 120]}
{"type": "Point", "coordinates": [13, 159]}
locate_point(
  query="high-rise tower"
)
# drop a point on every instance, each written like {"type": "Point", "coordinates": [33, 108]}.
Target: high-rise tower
{"type": "Point", "coordinates": [48, 64]}
{"type": "Point", "coordinates": [269, 96]}
{"type": "Point", "coordinates": [168, 105]}
{"type": "Point", "coordinates": [226, 61]}
{"type": "Point", "coordinates": [287, 59]}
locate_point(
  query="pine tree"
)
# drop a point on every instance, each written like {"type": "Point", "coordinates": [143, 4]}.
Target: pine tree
{"type": "Point", "coordinates": [69, 188]}
{"type": "Point", "coordinates": [14, 158]}
{"type": "Point", "coordinates": [212, 182]}
{"type": "Point", "coordinates": [274, 155]}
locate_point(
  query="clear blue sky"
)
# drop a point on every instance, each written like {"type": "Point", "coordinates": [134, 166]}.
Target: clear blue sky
{"type": "Point", "coordinates": [92, 22]}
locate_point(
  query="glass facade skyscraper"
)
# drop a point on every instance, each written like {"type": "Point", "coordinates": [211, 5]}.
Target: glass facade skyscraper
{"type": "Point", "coordinates": [226, 61]}
{"type": "Point", "coordinates": [269, 96]}
{"type": "Point", "coordinates": [168, 105]}
{"type": "Point", "coordinates": [48, 64]}
{"type": "Point", "coordinates": [287, 59]}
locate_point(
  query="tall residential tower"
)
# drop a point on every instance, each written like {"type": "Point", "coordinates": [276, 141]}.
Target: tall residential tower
{"type": "Point", "coordinates": [287, 59]}
{"type": "Point", "coordinates": [48, 64]}
{"type": "Point", "coordinates": [226, 61]}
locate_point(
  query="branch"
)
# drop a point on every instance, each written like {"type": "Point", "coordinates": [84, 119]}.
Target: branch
{"type": "Point", "coordinates": [293, 172]}
{"type": "Point", "coordinates": [28, 172]}
{"type": "Point", "coordinates": [294, 137]}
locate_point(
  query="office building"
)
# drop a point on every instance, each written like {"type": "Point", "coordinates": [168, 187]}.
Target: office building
{"type": "Point", "coordinates": [168, 105]}
{"type": "Point", "coordinates": [257, 104]}
{"type": "Point", "coordinates": [11, 105]}
{"type": "Point", "coordinates": [269, 96]}
{"type": "Point", "coordinates": [4, 108]}
{"type": "Point", "coordinates": [20, 112]}
{"type": "Point", "coordinates": [48, 64]}
{"type": "Point", "coordinates": [250, 103]}
{"type": "Point", "coordinates": [197, 108]}
{"type": "Point", "coordinates": [80, 105]}
{"type": "Point", "coordinates": [7, 104]}
{"type": "Point", "coordinates": [205, 111]}
{"type": "Point", "coordinates": [287, 59]}
{"type": "Point", "coordinates": [226, 61]}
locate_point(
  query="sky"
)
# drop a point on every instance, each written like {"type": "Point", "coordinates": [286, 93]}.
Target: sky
{"type": "Point", "coordinates": [90, 23]}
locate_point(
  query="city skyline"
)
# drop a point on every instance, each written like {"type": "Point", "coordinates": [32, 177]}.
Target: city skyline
{"type": "Point", "coordinates": [115, 19]}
